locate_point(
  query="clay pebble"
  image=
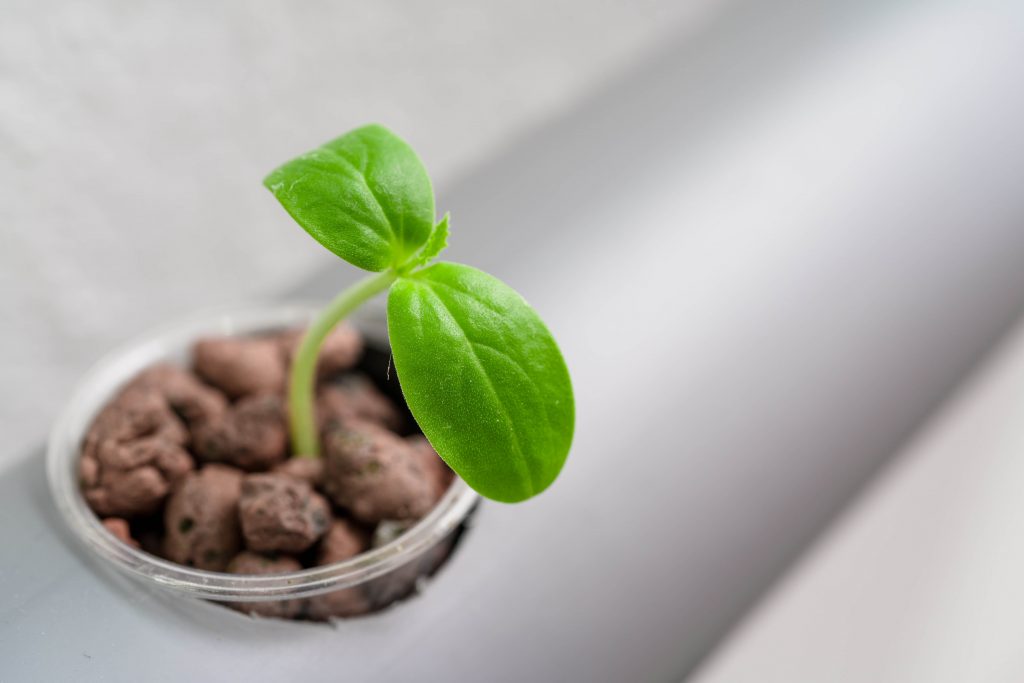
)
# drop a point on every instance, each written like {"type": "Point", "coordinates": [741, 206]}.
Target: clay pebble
{"type": "Point", "coordinates": [189, 398]}
{"type": "Point", "coordinates": [355, 396]}
{"type": "Point", "coordinates": [340, 350]}
{"type": "Point", "coordinates": [240, 366]}
{"type": "Point", "coordinates": [201, 518]}
{"type": "Point", "coordinates": [431, 464]}
{"type": "Point", "coordinates": [258, 564]}
{"type": "Point", "coordinates": [119, 528]}
{"type": "Point", "coordinates": [374, 473]}
{"type": "Point", "coordinates": [309, 470]}
{"type": "Point", "coordinates": [344, 540]}
{"type": "Point", "coordinates": [252, 434]}
{"type": "Point", "coordinates": [135, 451]}
{"type": "Point", "coordinates": [280, 513]}
{"type": "Point", "coordinates": [134, 478]}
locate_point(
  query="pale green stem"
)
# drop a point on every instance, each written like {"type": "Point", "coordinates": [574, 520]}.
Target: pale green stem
{"type": "Point", "coordinates": [302, 386]}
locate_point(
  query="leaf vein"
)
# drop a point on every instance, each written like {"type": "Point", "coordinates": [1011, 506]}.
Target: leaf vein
{"type": "Point", "coordinates": [483, 302]}
{"type": "Point", "coordinates": [361, 175]}
{"type": "Point", "coordinates": [521, 460]}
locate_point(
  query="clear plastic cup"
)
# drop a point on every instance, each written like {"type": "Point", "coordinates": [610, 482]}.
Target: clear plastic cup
{"type": "Point", "coordinates": [378, 577]}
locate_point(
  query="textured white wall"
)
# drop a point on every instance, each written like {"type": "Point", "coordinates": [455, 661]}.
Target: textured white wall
{"type": "Point", "coordinates": [133, 137]}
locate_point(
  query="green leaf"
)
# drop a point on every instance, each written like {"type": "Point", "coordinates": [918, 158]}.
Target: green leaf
{"type": "Point", "coordinates": [436, 244]}
{"type": "Point", "coordinates": [483, 378]}
{"type": "Point", "coordinates": [365, 196]}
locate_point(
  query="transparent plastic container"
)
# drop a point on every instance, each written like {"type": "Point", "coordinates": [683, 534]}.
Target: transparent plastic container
{"type": "Point", "coordinates": [365, 583]}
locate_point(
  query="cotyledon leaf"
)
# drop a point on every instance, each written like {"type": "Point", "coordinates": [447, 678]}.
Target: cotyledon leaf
{"type": "Point", "coordinates": [483, 377]}
{"type": "Point", "coordinates": [365, 196]}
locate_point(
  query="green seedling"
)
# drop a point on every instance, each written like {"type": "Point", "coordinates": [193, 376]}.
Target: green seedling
{"type": "Point", "coordinates": [479, 370]}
